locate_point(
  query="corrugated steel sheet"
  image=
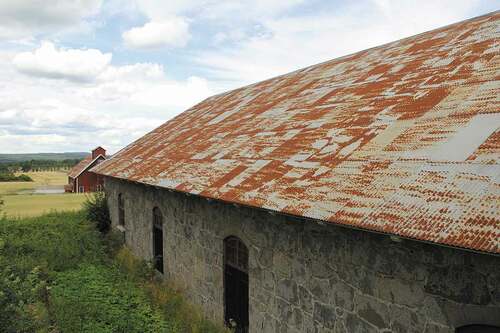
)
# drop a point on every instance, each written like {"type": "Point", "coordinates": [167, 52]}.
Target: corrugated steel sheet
{"type": "Point", "coordinates": [401, 139]}
{"type": "Point", "coordinates": [80, 167]}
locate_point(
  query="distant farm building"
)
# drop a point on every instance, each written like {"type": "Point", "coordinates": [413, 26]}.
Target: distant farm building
{"type": "Point", "coordinates": [80, 179]}
{"type": "Point", "coordinates": [358, 195]}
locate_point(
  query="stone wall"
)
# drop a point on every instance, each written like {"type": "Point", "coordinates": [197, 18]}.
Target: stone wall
{"type": "Point", "coordinates": [310, 277]}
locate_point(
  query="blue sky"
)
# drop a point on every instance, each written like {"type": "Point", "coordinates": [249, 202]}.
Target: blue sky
{"type": "Point", "coordinates": [77, 74]}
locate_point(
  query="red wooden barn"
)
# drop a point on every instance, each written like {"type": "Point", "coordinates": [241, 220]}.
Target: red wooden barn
{"type": "Point", "coordinates": [80, 179]}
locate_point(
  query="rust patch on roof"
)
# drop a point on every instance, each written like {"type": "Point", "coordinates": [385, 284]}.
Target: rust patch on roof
{"type": "Point", "coordinates": [80, 167]}
{"type": "Point", "coordinates": [401, 139]}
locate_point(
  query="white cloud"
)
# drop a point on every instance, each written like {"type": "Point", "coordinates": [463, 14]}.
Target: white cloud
{"type": "Point", "coordinates": [227, 10]}
{"type": "Point", "coordinates": [72, 64]}
{"type": "Point", "coordinates": [60, 99]}
{"type": "Point", "coordinates": [179, 95]}
{"type": "Point", "coordinates": [26, 18]}
{"type": "Point", "coordinates": [171, 32]}
{"type": "Point", "coordinates": [43, 111]}
{"type": "Point", "coordinates": [291, 42]}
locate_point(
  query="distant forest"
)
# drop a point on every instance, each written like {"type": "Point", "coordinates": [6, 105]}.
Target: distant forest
{"type": "Point", "coordinates": [7, 158]}
{"type": "Point", "coordinates": [11, 163]}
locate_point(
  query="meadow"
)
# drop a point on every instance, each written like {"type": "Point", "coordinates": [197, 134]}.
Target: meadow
{"type": "Point", "coordinates": [20, 201]}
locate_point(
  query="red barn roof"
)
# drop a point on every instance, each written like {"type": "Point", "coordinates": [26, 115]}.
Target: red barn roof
{"type": "Point", "coordinates": [402, 139]}
{"type": "Point", "coordinates": [87, 162]}
{"type": "Point", "coordinates": [80, 167]}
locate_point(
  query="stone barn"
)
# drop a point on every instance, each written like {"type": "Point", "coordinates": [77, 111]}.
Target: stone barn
{"type": "Point", "coordinates": [358, 195]}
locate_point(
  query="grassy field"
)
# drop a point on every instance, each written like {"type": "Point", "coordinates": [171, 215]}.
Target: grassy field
{"type": "Point", "coordinates": [42, 178]}
{"type": "Point", "coordinates": [25, 205]}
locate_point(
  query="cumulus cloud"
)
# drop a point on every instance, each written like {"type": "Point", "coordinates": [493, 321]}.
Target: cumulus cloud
{"type": "Point", "coordinates": [27, 18]}
{"type": "Point", "coordinates": [119, 104]}
{"type": "Point", "coordinates": [73, 64]}
{"type": "Point", "coordinates": [171, 32]}
{"type": "Point", "coordinates": [54, 98]}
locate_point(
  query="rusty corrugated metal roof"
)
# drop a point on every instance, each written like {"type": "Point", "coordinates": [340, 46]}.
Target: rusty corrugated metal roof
{"type": "Point", "coordinates": [80, 167]}
{"type": "Point", "coordinates": [83, 165]}
{"type": "Point", "coordinates": [401, 139]}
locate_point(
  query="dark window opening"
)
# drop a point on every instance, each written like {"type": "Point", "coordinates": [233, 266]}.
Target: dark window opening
{"type": "Point", "coordinates": [236, 284]}
{"type": "Point", "coordinates": [121, 210]}
{"type": "Point", "coordinates": [478, 329]}
{"type": "Point", "coordinates": [157, 240]}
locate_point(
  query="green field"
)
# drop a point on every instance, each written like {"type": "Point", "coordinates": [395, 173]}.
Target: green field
{"type": "Point", "coordinates": [42, 178]}
{"type": "Point", "coordinates": [19, 204]}
{"type": "Point", "coordinates": [24, 205]}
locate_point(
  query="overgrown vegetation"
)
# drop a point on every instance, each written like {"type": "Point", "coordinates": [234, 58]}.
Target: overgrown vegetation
{"type": "Point", "coordinates": [95, 298]}
{"type": "Point", "coordinates": [96, 210]}
{"type": "Point", "coordinates": [59, 274]}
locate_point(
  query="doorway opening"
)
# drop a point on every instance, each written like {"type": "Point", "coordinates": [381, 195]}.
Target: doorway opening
{"type": "Point", "coordinates": [158, 240]}
{"type": "Point", "coordinates": [236, 284]}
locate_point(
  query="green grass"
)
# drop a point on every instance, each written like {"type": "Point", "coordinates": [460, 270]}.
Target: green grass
{"type": "Point", "coordinates": [28, 205]}
{"type": "Point", "coordinates": [58, 274]}
{"type": "Point", "coordinates": [42, 178]}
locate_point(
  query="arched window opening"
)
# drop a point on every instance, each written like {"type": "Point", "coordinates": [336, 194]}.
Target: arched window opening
{"type": "Point", "coordinates": [236, 284]}
{"type": "Point", "coordinates": [121, 210]}
{"type": "Point", "coordinates": [158, 240]}
{"type": "Point", "coordinates": [478, 329]}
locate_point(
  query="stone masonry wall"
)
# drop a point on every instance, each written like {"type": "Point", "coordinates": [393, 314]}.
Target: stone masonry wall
{"type": "Point", "coordinates": [311, 277]}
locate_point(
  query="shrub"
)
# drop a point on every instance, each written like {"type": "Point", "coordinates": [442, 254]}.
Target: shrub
{"type": "Point", "coordinates": [53, 242]}
{"type": "Point", "coordinates": [24, 178]}
{"type": "Point", "coordinates": [132, 267]}
{"type": "Point", "coordinates": [96, 210]}
{"type": "Point", "coordinates": [21, 308]}
{"type": "Point", "coordinates": [10, 177]}
{"type": "Point", "coordinates": [31, 252]}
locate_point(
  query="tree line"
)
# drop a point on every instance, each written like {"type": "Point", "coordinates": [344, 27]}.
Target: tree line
{"type": "Point", "coordinates": [40, 165]}
{"type": "Point", "coordinates": [8, 170]}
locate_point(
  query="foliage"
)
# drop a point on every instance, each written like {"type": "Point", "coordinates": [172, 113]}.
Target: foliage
{"type": "Point", "coordinates": [95, 298]}
{"type": "Point", "coordinates": [31, 251]}
{"type": "Point", "coordinates": [54, 242]}
{"type": "Point", "coordinates": [96, 210]}
{"type": "Point", "coordinates": [10, 177]}
{"type": "Point", "coordinates": [182, 316]}
{"type": "Point", "coordinates": [10, 158]}
{"type": "Point", "coordinates": [22, 310]}
{"type": "Point", "coordinates": [16, 163]}
{"type": "Point", "coordinates": [56, 276]}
